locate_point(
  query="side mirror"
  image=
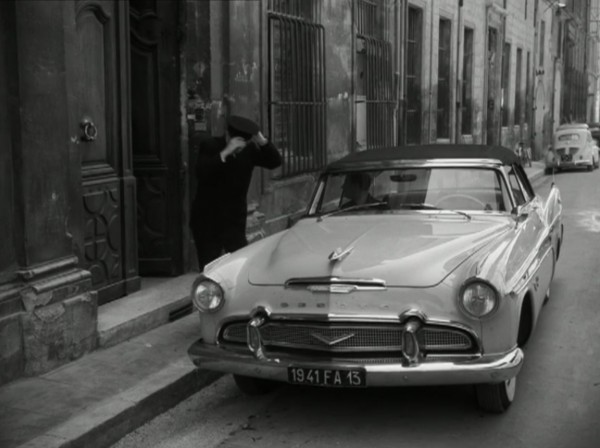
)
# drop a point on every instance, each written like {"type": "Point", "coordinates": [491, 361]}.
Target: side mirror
{"type": "Point", "coordinates": [520, 213]}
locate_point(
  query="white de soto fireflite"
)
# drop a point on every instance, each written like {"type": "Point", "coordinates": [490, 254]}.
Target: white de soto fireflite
{"type": "Point", "coordinates": [421, 265]}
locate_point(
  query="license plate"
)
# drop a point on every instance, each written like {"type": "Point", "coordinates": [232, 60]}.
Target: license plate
{"type": "Point", "coordinates": [327, 377]}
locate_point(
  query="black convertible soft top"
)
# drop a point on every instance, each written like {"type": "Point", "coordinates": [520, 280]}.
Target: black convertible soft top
{"type": "Point", "coordinates": [423, 152]}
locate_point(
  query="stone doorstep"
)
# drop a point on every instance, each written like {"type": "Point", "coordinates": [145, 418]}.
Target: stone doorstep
{"type": "Point", "coordinates": [160, 300]}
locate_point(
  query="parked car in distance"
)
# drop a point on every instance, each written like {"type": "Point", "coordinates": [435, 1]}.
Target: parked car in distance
{"type": "Point", "coordinates": [573, 147]}
{"type": "Point", "coordinates": [421, 265]}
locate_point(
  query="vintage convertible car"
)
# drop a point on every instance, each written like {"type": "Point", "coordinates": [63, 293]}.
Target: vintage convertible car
{"type": "Point", "coordinates": [424, 265]}
{"type": "Point", "coordinates": [573, 147]}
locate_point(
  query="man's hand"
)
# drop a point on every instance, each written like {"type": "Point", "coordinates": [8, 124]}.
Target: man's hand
{"type": "Point", "coordinates": [235, 145]}
{"type": "Point", "coordinates": [259, 139]}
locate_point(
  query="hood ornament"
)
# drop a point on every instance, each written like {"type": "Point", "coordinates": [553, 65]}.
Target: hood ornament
{"type": "Point", "coordinates": [339, 254]}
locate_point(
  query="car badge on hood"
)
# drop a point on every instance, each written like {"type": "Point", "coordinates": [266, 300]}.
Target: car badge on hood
{"type": "Point", "coordinates": [330, 341]}
{"type": "Point", "coordinates": [339, 254]}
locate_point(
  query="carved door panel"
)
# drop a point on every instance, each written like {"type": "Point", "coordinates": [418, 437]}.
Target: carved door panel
{"type": "Point", "coordinates": [155, 121]}
{"type": "Point", "coordinates": [99, 96]}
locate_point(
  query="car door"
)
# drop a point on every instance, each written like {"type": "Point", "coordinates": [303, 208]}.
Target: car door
{"type": "Point", "coordinates": [535, 237]}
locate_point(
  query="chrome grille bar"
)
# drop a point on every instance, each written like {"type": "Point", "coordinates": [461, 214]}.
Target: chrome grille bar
{"type": "Point", "coordinates": [340, 338]}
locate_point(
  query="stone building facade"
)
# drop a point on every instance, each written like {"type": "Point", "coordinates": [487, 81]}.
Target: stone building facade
{"type": "Point", "coordinates": [103, 104]}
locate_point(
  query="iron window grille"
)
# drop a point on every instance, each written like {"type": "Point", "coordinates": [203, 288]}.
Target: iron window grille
{"type": "Point", "coordinates": [375, 84]}
{"type": "Point", "coordinates": [443, 94]}
{"type": "Point", "coordinates": [467, 87]}
{"type": "Point", "coordinates": [297, 99]}
{"type": "Point", "coordinates": [413, 75]}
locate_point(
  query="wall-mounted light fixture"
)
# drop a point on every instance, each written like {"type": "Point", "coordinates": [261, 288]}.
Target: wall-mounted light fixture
{"type": "Point", "coordinates": [556, 4]}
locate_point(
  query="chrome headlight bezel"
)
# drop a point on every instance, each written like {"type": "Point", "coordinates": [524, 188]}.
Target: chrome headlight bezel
{"type": "Point", "coordinates": [207, 295]}
{"type": "Point", "coordinates": [481, 288]}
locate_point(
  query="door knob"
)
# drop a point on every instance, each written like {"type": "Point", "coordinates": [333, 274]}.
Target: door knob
{"type": "Point", "coordinates": [88, 130]}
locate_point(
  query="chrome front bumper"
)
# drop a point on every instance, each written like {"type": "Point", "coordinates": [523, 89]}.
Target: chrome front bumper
{"type": "Point", "coordinates": [484, 369]}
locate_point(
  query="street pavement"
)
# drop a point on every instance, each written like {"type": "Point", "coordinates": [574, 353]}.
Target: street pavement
{"type": "Point", "coordinates": [96, 400]}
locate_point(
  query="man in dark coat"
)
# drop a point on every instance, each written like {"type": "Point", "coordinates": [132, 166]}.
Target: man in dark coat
{"type": "Point", "coordinates": [224, 171]}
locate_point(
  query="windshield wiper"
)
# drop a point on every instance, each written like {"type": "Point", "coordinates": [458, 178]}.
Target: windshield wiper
{"type": "Point", "coordinates": [351, 208]}
{"type": "Point", "coordinates": [425, 206]}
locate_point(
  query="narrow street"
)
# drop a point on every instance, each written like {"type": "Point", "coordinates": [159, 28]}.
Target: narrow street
{"type": "Point", "coordinates": [558, 390]}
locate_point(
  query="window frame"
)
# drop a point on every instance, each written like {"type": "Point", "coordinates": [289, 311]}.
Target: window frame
{"type": "Point", "coordinates": [296, 90]}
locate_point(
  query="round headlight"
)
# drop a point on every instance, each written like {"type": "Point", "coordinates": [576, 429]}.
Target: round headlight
{"type": "Point", "coordinates": [207, 296]}
{"type": "Point", "coordinates": [478, 299]}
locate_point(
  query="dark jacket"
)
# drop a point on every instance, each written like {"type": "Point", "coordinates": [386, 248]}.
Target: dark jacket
{"type": "Point", "coordinates": [222, 187]}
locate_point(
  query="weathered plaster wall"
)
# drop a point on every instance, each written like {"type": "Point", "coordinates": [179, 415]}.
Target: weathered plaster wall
{"type": "Point", "coordinates": [339, 66]}
{"type": "Point", "coordinates": [47, 313]}
{"type": "Point", "coordinates": [227, 69]}
{"type": "Point", "coordinates": [7, 217]}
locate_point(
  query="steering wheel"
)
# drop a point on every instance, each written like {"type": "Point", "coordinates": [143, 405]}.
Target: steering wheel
{"type": "Point", "coordinates": [481, 205]}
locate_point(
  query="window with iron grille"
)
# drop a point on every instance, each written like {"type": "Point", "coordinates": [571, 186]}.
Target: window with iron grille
{"type": "Point", "coordinates": [505, 83]}
{"type": "Point", "coordinates": [443, 95]}
{"type": "Point", "coordinates": [297, 99]}
{"type": "Point", "coordinates": [413, 75]}
{"type": "Point", "coordinates": [467, 83]}
{"type": "Point", "coordinates": [518, 93]}
{"type": "Point", "coordinates": [528, 89]}
{"type": "Point", "coordinates": [374, 87]}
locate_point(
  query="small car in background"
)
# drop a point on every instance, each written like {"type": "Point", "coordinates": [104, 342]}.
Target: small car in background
{"type": "Point", "coordinates": [420, 265]}
{"type": "Point", "coordinates": [573, 147]}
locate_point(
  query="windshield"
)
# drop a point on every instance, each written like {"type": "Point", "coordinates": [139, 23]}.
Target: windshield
{"type": "Point", "coordinates": [411, 188]}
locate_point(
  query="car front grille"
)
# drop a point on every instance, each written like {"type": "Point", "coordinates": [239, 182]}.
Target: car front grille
{"type": "Point", "coordinates": [349, 338]}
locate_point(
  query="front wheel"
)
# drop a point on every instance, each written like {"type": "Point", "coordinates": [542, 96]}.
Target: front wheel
{"type": "Point", "coordinates": [253, 386]}
{"type": "Point", "coordinates": [496, 398]}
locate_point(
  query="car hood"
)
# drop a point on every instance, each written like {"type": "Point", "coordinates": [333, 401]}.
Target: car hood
{"type": "Point", "coordinates": [409, 251]}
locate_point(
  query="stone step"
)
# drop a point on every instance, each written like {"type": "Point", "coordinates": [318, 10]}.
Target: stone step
{"type": "Point", "coordinates": [159, 301]}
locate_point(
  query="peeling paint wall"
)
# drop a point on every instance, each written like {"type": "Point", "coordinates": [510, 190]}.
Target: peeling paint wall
{"type": "Point", "coordinates": [339, 66]}
{"type": "Point", "coordinates": [227, 72]}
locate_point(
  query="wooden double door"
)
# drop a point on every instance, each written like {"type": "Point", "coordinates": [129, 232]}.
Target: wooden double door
{"type": "Point", "coordinates": [123, 78]}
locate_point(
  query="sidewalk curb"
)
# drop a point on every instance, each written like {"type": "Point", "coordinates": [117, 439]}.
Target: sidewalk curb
{"type": "Point", "coordinates": [105, 424]}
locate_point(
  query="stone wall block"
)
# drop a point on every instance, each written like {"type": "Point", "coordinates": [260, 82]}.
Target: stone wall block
{"type": "Point", "coordinates": [58, 333]}
{"type": "Point", "coordinates": [11, 348]}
